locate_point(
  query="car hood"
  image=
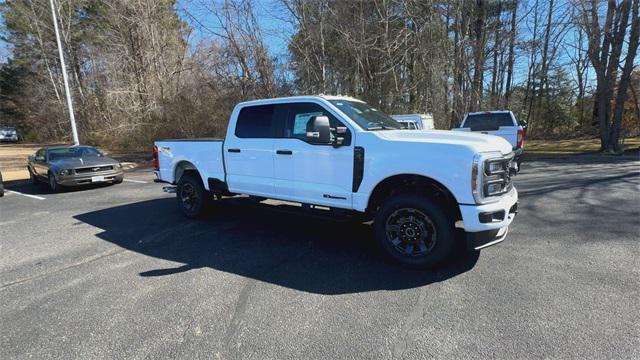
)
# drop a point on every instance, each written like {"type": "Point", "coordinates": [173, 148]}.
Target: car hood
{"type": "Point", "coordinates": [74, 163]}
{"type": "Point", "coordinates": [477, 142]}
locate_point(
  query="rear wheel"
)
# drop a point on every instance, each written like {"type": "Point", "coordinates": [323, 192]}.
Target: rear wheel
{"type": "Point", "coordinates": [414, 231]}
{"type": "Point", "coordinates": [192, 196]}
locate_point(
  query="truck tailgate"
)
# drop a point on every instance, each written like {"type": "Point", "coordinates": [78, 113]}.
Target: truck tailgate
{"type": "Point", "coordinates": [205, 155]}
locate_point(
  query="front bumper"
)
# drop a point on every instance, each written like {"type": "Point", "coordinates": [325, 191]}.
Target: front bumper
{"type": "Point", "coordinates": [86, 179]}
{"type": "Point", "coordinates": [488, 224]}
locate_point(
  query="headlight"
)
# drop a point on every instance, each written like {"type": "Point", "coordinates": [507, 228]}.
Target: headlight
{"type": "Point", "coordinates": [65, 172]}
{"type": "Point", "coordinates": [494, 167]}
{"type": "Point", "coordinates": [490, 177]}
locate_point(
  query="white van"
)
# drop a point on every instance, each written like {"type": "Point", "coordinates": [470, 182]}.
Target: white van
{"type": "Point", "coordinates": [415, 121]}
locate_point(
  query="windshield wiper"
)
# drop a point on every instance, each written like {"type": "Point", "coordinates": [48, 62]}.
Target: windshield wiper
{"type": "Point", "coordinates": [382, 127]}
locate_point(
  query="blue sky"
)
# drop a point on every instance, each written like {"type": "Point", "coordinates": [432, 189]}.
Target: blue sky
{"type": "Point", "coordinates": [271, 16]}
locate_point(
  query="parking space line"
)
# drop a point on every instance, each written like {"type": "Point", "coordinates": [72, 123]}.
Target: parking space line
{"type": "Point", "coordinates": [136, 181]}
{"type": "Point", "coordinates": [27, 195]}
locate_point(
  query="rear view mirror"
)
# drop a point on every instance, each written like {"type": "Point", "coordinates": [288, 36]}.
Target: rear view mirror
{"type": "Point", "coordinates": [39, 158]}
{"type": "Point", "coordinates": [319, 130]}
{"type": "Point", "coordinates": [523, 124]}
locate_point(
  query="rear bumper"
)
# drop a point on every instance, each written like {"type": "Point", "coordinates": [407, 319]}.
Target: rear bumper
{"type": "Point", "coordinates": [157, 178]}
{"type": "Point", "coordinates": [79, 180]}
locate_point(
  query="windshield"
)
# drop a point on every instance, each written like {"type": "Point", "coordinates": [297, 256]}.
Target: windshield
{"type": "Point", "coordinates": [8, 129]}
{"type": "Point", "coordinates": [366, 116]}
{"type": "Point", "coordinates": [73, 152]}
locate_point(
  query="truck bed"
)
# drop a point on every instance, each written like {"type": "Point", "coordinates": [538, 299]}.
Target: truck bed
{"type": "Point", "coordinates": [177, 155]}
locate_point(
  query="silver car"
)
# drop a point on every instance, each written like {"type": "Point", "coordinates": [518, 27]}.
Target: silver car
{"type": "Point", "coordinates": [62, 166]}
{"type": "Point", "coordinates": [9, 134]}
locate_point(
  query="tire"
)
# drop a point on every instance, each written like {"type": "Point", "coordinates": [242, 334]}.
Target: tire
{"type": "Point", "coordinates": [414, 231]}
{"type": "Point", "coordinates": [53, 184]}
{"type": "Point", "coordinates": [118, 180]}
{"type": "Point", "coordinates": [33, 177]}
{"type": "Point", "coordinates": [192, 197]}
{"type": "Point", "coordinates": [1, 186]}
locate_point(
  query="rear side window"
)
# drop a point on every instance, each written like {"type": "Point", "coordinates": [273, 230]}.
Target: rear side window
{"type": "Point", "coordinates": [488, 122]}
{"type": "Point", "coordinates": [255, 122]}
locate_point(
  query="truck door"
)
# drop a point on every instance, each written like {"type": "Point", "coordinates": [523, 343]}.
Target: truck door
{"type": "Point", "coordinates": [248, 152]}
{"type": "Point", "coordinates": [311, 173]}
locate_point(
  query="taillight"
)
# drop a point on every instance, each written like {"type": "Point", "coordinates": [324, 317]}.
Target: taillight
{"type": "Point", "coordinates": [156, 162]}
{"type": "Point", "coordinates": [520, 142]}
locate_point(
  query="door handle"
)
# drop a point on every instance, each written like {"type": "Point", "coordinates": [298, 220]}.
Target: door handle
{"type": "Point", "coordinates": [233, 150]}
{"type": "Point", "coordinates": [284, 152]}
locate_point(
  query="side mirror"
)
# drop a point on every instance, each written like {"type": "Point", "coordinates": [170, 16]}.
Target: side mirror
{"type": "Point", "coordinates": [319, 130]}
{"type": "Point", "coordinates": [39, 158]}
{"type": "Point", "coordinates": [523, 124]}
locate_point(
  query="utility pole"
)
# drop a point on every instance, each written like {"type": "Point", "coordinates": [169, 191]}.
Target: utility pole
{"type": "Point", "coordinates": [74, 130]}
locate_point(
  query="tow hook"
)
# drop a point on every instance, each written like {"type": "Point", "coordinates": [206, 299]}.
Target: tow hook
{"type": "Point", "coordinates": [169, 189]}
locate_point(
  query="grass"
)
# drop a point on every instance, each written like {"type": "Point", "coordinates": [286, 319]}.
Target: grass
{"type": "Point", "coordinates": [573, 146]}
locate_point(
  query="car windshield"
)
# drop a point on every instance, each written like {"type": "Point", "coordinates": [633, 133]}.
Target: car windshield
{"type": "Point", "coordinates": [8, 129]}
{"type": "Point", "coordinates": [365, 115]}
{"type": "Point", "coordinates": [73, 152]}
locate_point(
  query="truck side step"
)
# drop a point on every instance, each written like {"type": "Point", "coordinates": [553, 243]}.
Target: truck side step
{"type": "Point", "coordinates": [169, 189]}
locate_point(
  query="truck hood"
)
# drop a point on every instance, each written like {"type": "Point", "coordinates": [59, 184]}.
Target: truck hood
{"type": "Point", "coordinates": [477, 142]}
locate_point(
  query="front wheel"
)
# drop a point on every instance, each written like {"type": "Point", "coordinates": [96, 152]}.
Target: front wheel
{"type": "Point", "coordinates": [53, 183]}
{"type": "Point", "coordinates": [414, 231]}
{"type": "Point", "coordinates": [192, 196]}
{"type": "Point", "coordinates": [33, 177]}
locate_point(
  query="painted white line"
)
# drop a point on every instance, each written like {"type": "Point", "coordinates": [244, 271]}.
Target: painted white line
{"type": "Point", "coordinates": [136, 181]}
{"type": "Point", "coordinates": [27, 195]}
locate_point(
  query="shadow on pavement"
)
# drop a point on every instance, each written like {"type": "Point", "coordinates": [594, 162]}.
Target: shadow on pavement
{"type": "Point", "coordinates": [266, 243]}
{"type": "Point", "coordinates": [27, 187]}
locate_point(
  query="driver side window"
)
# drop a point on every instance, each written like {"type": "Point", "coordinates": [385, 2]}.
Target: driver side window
{"type": "Point", "coordinates": [297, 116]}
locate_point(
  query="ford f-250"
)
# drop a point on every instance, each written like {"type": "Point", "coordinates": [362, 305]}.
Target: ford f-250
{"type": "Point", "coordinates": [340, 153]}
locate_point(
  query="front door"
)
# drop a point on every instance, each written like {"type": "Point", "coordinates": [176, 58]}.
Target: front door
{"type": "Point", "coordinates": [310, 173]}
{"type": "Point", "coordinates": [40, 163]}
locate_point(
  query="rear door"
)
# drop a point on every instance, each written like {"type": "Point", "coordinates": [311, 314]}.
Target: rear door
{"type": "Point", "coordinates": [493, 123]}
{"type": "Point", "coordinates": [248, 152]}
{"type": "Point", "coordinates": [307, 172]}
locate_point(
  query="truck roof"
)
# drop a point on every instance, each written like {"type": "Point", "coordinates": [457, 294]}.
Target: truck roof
{"type": "Point", "coordinates": [298, 98]}
{"type": "Point", "coordinates": [489, 112]}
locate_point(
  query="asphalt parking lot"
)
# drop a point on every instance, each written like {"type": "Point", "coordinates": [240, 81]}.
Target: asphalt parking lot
{"type": "Point", "coordinates": [117, 272]}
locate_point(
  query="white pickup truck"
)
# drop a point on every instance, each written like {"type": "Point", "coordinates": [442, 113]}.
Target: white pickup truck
{"type": "Point", "coordinates": [342, 154]}
{"type": "Point", "coordinates": [500, 123]}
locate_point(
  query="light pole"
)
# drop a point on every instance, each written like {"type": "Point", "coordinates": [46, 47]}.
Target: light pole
{"type": "Point", "coordinates": [72, 117]}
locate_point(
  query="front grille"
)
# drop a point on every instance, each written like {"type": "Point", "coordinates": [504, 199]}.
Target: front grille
{"type": "Point", "coordinates": [94, 169]}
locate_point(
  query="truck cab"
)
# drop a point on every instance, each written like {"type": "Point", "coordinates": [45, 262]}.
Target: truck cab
{"type": "Point", "coordinates": [341, 153]}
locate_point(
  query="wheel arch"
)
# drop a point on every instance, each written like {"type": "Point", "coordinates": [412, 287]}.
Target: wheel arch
{"type": "Point", "coordinates": [184, 167]}
{"type": "Point", "coordinates": [414, 183]}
